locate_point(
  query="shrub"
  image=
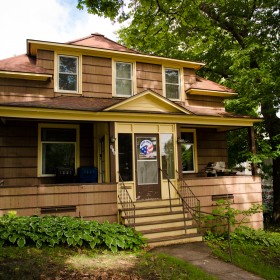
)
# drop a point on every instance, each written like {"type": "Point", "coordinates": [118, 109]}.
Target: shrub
{"type": "Point", "coordinates": [217, 220]}
{"type": "Point", "coordinates": [75, 232]}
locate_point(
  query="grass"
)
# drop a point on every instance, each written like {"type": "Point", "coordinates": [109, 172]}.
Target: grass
{"type": "Point", "coordinates": [67, 263]}
{"type": "Point", "coordinates": [252, 255]}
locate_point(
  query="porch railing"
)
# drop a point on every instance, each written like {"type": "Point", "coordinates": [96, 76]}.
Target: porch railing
{"type": "Point", "coordinates": [191, 204]}
{"type": "Point", "coordinates": [128, 207]}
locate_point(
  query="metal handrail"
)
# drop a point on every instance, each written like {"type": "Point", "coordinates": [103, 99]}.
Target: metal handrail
{"type": "Point", "coordinates": [195, 211]}
{"type": "Point", "coordinates": [179, 195]}
{"type": "Point", "coordinates": [128, 207]}
{"type": "Point", "coordinates": [192, 202]}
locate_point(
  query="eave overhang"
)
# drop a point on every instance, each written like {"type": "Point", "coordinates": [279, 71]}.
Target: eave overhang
{"type": "Point", "coordinates": [140, 117]}
{"type": "Point", "coordinates": [25, 76]}
{"type": "Point", "coordinates": [204, 92]}
{"type": "Point", "coordinates": [34, 45]}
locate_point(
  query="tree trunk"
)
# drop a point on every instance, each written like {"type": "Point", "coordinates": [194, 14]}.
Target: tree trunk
{"type": "Point", "coordinates": [276, 190]}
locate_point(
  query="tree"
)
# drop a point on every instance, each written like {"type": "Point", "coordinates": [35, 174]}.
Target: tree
{"type": "Point", "coordinates": [238, 40]}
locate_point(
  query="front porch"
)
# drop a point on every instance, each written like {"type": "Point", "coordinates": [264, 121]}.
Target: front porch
{"type": "Point", "coordinates": [88, 201]}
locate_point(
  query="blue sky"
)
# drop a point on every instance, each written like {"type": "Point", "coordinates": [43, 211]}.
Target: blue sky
{"type": "Point", "coordinates": [47, 20]}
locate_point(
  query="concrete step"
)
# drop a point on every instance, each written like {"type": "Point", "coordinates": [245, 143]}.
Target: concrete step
{"type": "Point", "coordinates": [151, 217]}
{"type": "Point", "coordinates": [158, 202]}
{"type": "Point", "coordinates": [172, 231]}
{"type": "Point", "coordinates": [169, 240]}
{"type": "Point", "coordinates": [162, 224]}
{"type": "Point", "coordinates": [154, 209]}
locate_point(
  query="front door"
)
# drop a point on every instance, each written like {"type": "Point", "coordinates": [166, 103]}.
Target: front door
{"type": "Point", "coordinates": [147, 167]}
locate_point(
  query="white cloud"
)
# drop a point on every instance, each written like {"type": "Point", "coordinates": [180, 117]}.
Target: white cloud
{"type": "Point", "coordinates": [47, 20]}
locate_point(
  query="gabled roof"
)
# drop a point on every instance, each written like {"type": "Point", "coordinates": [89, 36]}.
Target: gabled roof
{"type": "Point", "coordinates": [97, 40]}
{"type": "Point", "coordinates": [22, 65]}
{"type": "Point", "coordinates": [206, 87]}
{"type": "Point", "coordinates": [150, 102]}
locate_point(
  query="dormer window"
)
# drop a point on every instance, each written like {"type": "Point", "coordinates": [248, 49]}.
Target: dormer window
{"type": "Point", "coordinates": [172, 83]}
{"type": "Point", "coordinates": [68, 73]}
{"type": "Point", "coordinates": [124, 78]}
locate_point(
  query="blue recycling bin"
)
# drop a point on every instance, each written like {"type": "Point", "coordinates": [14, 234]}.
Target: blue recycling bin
{"type": "Point", "coordinates": [88, 174]}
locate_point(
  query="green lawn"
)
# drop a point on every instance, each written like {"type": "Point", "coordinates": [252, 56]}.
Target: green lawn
{"type": "Point", "coordinates": [254, 251]}
{"type": "Point", "coordinates": [75, 263]}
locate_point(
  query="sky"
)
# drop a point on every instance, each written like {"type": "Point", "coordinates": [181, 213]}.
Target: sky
{"type": "Point", "coordinates": [46, 20]}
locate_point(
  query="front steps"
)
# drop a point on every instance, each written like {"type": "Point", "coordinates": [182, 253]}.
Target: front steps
{"type": "Point", "coordinates": [160, 225]}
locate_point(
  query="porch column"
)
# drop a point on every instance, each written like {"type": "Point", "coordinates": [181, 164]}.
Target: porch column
{"type": "Point", "coordinates": [252, 144]}
{"type": "Point", "coordinates": [179, 152]}
{"type": "Point", "coordinates": [112, 152]}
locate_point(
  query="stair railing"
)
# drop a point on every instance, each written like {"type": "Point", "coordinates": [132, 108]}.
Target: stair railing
{"type": "Point", "coordinates": [192, 202]}
{"type": "Point", "coordinates": [170, 183]}
{"type": "Point", "coordinates": [128, 207]}
{"type": "Point", "coordinates": [194, 207]}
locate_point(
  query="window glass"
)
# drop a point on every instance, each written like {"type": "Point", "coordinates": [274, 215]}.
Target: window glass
{"type": "Point", "coordinates": [187, 149]}
{"type": "Point", "coordinates": [167, 155]}
{"type": "Point", "coordinates": [123, 79]}
{"type": "Point", "coordinates": [125, 156]}
{"type": "Point", "coordinates": [68, 73]}
{"type": "Point", "coordinates": [172, 84]}
{"type": "Point", "coordinates": [58, 149]}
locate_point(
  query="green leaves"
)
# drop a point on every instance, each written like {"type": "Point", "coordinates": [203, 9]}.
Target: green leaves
{"type": "Point", "coordinates": [73, 232]}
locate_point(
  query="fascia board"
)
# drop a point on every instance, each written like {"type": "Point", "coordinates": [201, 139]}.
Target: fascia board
{"type": "Point", "coordinates": [33, 45]}
{"type": "Point", "coordinates": [70, 115]}
{"type": "Point", "coordinates": [25, 76]}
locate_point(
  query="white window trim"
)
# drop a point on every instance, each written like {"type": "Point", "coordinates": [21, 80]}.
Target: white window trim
{"type": "Point", "coordinates": [181, 79]}
{"type": "Point", "coordinates": [133, 78]}
{"type": "Point", "coordinates": [194, 150]}
{"type": "Point", "coordinates": [40, 150]}
{"type": "Point", "coordinates": [79, 73]}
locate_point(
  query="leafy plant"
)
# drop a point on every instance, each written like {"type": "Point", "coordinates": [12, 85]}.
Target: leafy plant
{"type": "Point", "coordinates": [74, 232]}
{"type": "Point", "coordinates": [218, 219]}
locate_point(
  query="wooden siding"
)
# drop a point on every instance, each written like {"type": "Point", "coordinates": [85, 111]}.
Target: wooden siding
{"type": "Point", "coordinates": [149, 76]}
{"type": "Point", "coordinates": [13, 90]}
{"type": "Point", "coordinates": [91, 201]}
{"type": "Point", "coordinates": [97, 77]}
{"type": "Point", "coordinates": [18, 152]}
{"type": "Point", "coordinates": [205, 101]}
{"type": "Point", "coordinates": [211, 147]}
{"type": "Point", "coordinates": [19, 149]}
{"type": "Point", "coordinates": [45, 59]}
{"type": "Point", "coordinates": [246, 191]}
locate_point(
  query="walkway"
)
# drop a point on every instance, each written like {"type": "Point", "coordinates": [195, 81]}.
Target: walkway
{"type": "Point", "coordinates": [199, 254]}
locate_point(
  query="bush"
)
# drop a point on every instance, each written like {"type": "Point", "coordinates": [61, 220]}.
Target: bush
{"type": "Point", "coordinates": [75, 232]}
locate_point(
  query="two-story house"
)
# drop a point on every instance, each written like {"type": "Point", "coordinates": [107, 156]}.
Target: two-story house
{"type": "Point", "coordinates": [89, 127]}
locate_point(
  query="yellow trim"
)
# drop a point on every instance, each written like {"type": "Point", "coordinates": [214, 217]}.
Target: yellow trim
{"type": "Point", "coordinates": [181, 81]}
{"type": "Point", "coordinates": [195, 150]}
{"type": "Point", "coordinates": [73, 115]}
{"type": "Point", "coordinates": [51, 125]}
{"type": "Point", "coordinates": [211, 93]}
{"type": "Point", "coordinates": [33, 46]}
{"type": "Point", "coordinates": [158, 97]}
{"type": "Point", "coordinates": [80, 65]}
{"type": "Point", "coordinates": [143, 128]}
{"type": "Point", "coordinates": [25, 76]}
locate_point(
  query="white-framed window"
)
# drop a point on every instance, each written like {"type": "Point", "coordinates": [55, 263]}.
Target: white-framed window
{"type": "Point", "coordinates": [68, 74]}
{"type": "Point", "coordinates": [172, 83]}
{"type": "Point", "coordinates": [58, 147]}
{"type": "Point", "coordinates": [188, 151]}
{"type": "Point", "coordinates": [123, 79]}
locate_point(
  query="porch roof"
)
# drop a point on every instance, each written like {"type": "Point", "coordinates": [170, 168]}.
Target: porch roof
{"type": "Point", "coordinates": [98, 104]}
